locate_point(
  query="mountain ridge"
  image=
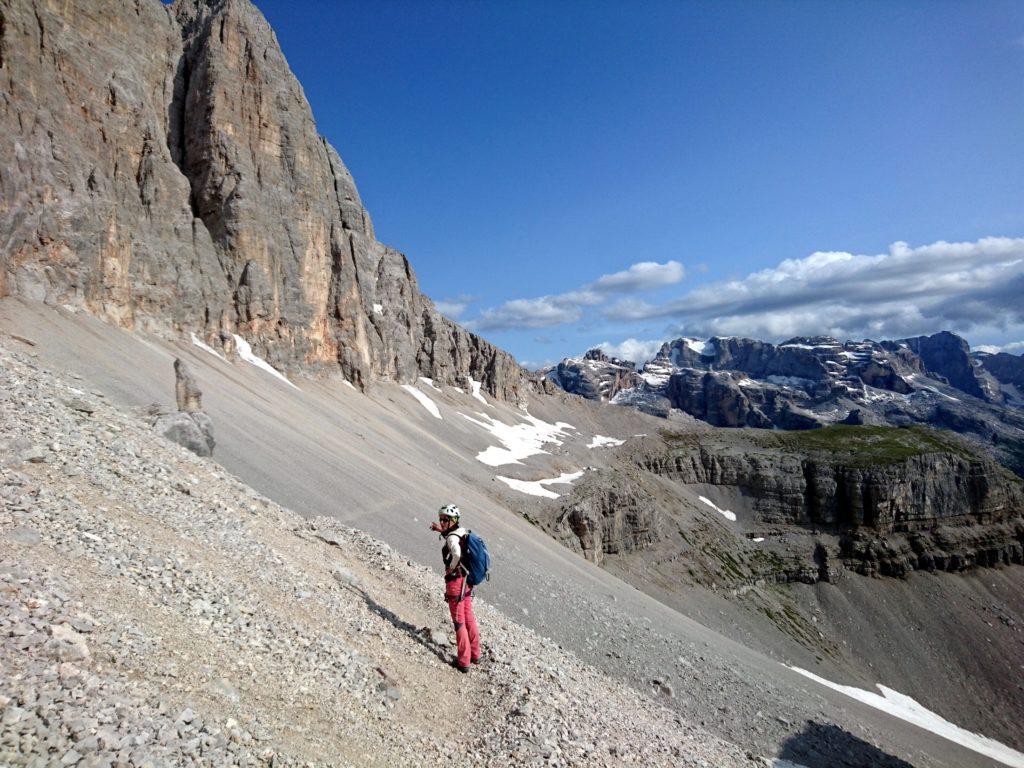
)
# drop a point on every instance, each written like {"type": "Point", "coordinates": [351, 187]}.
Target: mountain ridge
{"type": "Point", "coordinates": [811, 382]}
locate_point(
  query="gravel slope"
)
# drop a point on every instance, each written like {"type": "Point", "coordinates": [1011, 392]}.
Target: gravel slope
{"type": "Point", "coordinates": [156, 609]}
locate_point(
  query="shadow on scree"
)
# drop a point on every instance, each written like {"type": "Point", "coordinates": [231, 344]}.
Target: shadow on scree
{"type": "Point", "coordinates": [821, 745]}
{"type": "Point", "coordinates": [399, 623]}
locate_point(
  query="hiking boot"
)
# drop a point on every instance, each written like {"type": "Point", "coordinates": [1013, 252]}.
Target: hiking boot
{"type": "Point", "coordinates": [459, 667]}
{"type": "Point", "coordinates": [477, 660]}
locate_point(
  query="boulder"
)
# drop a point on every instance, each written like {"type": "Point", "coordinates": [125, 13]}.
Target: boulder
{"type": "Point", "coordinates": [190, 430]}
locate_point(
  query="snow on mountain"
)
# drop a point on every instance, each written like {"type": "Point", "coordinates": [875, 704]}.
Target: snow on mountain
{"type": "Point", "coordinates": [811, 381]}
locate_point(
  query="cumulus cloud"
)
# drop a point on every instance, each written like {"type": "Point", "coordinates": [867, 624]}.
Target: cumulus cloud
{"type": "Point", "coordinates": [556, 309]}
{"type": "Point", "coordinates": [450, 308]}
{"type": "Point", "coordinates": [453, 308]}
{"type": "Point", "coordinates": [1014, 348]}
{"type": "Point", "coordinates": [537, 365]}
{"type": "Point", "coordinates": [632, 349]}
{"type": "Point", "coordinates": [903, 292]}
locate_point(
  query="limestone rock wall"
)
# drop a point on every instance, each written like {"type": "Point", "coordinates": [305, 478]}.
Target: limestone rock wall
{"type": "Point", "coordinates": [915, 494]}
{"type": "Point", "coordinates": [160, 167]}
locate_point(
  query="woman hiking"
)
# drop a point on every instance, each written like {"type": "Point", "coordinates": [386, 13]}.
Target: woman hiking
{"type": "Point", "coordinates": [457, 592]}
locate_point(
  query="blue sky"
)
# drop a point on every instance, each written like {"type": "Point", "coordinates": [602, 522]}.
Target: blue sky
{"type": "Point", "coordinates": [520, 152]}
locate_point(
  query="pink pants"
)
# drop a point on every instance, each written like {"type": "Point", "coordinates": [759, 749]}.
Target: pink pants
{"type": "Point", "coordinates": [467, 637]}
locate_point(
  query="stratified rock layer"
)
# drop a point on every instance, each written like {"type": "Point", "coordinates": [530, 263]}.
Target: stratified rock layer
{"type": "Point", "coordinates": [890, 500]}
{"type": "Point", "coordinates": [160, 167]}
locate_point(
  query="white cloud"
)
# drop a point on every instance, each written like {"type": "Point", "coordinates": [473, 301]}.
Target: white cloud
{"type": "Point", "coordinates": [643, 276]}
{"type": "Point", "coordinates": [632, 349]}
{"type": "Point", "coordinates": [535, 365]}
{"type": "Point", "coordinates": [450, 309]}
{"type": "Point", "coordinates": [527, 313]}
{"type": "Point", "coordinates": [906, 291]}
{"type": "Point", "coordinates": [1013, 348]}
{"type": "Point", "coordinates": [557, 309]}
{"type": "Point", "coordinates": [455, 306]}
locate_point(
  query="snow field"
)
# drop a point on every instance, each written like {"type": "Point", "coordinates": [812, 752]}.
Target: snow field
{"type": "Point", "coordinates": [520, 440]}
{"type": "Point", "coordinates": [474, 386]}
{"type": "Point", "coordinates": [425, 401]}
{"type": "Point", "coordinates": [245, 352]}
{"type": "Point", "coordinates": [207, 348]}
{"type": "Point", "coordinates": [601, 441]}
{"type": "Point", "coordinates": [723, 512]}
{"type": "Point", "coordinates": [905, 708]}
{"type": "Point", "coordinates": [536, 487]}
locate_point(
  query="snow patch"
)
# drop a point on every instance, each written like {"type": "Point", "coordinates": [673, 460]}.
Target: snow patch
{"type": "Point", "coordinates": [655, 379]}
{"type": "Point", "coordinates": [600, 441]}
{"type": "Point", "coordinates": [706, 348]}
{"type": "Point", "coordinates": [425, 401]}
{"type": "Point", "coordinates": [475, 389]}
{"type": "Point", "coordinates": [207, 348]}
{"type": "Point", "coordinates": [723, 512]}
{"type": "Point", "coordinates": [536, 487]}
{"type": "Point", "coordinates": [758, 539]}
{"type": "Point", "coordinates": [933, 390]}
{"type": "Point", "coordinates": [245, 352]}
{"type": "Point", "coordinates": [378, 308]}
{"type": "Point", "coordinates": [905, 708]}
{"type": "Point", "coordinates": [519, 440]}
{"type": "Point", "coordinates": [430, 383]}
{"type": "Point", "coordinates": [350, 385]}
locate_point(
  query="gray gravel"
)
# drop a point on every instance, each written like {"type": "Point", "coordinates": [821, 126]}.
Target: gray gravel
{"type": "Point", "coordinates": [156, 611]}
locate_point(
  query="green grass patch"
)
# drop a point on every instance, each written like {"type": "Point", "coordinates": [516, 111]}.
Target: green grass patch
{"type": "Point", "coordinates": [870, 446]}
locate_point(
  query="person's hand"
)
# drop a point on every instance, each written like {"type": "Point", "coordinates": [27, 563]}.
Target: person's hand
{"type": "Point", "coordinates": [435, 526]}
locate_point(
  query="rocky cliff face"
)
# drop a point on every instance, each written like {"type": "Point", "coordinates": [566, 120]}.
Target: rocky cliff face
{"type": "Point", "coordinates": [947, 356]}
{"type": "Point", "coordinates": [1008, 370]}
{"type": "Point", "coordinates": [610, 513]}
{"type": "Point", "coordinates": [595, 376]}
{"type": "Point", "coordinates": [878, 500]}
{"type": "Point", "coordinates": [160, 167]}
{"type": "Point", "coordinates": [913, 483]}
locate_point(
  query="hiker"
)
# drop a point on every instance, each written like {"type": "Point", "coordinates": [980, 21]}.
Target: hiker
{"type": "Point", "coordinates": [457, 592]}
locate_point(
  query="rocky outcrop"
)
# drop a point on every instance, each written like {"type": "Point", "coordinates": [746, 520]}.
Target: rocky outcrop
{"type": "Point", "coordinates": [186, 392]}
{"type": "Point", "coordinates": [1006, 368]}
{"type": "Point", "coordinates": [160, 167]}
{"type": "Point", "coordinates": [188, 426]}
{"type": "Point", "coordinates": [948, 356]}
{"type": "Point", "coordinates": [898, 490]}
{"type": "Point", "coordinates": [193, 431]}
{"type": "Point", "coordinates": [717, 398]}
{"type": "Point", "coordinates": [940, 549]}
{"type": "Point", "coordinates": [610, 513]}
{"type": "Point", "coordinates": [875, 501]}
{"type": "Point", "coordinates": [595, 376]}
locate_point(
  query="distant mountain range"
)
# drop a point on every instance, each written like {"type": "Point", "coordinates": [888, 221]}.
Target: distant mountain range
{"type": "Point", "coordinates": [809, 382]}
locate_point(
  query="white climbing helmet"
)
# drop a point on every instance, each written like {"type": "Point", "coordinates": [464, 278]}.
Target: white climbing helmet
{"type": "Point", "coordinates": [449, 510]}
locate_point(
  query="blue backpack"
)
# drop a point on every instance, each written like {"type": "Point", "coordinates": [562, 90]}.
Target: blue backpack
{"type": "Point", "coordinates": [475, 559]}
